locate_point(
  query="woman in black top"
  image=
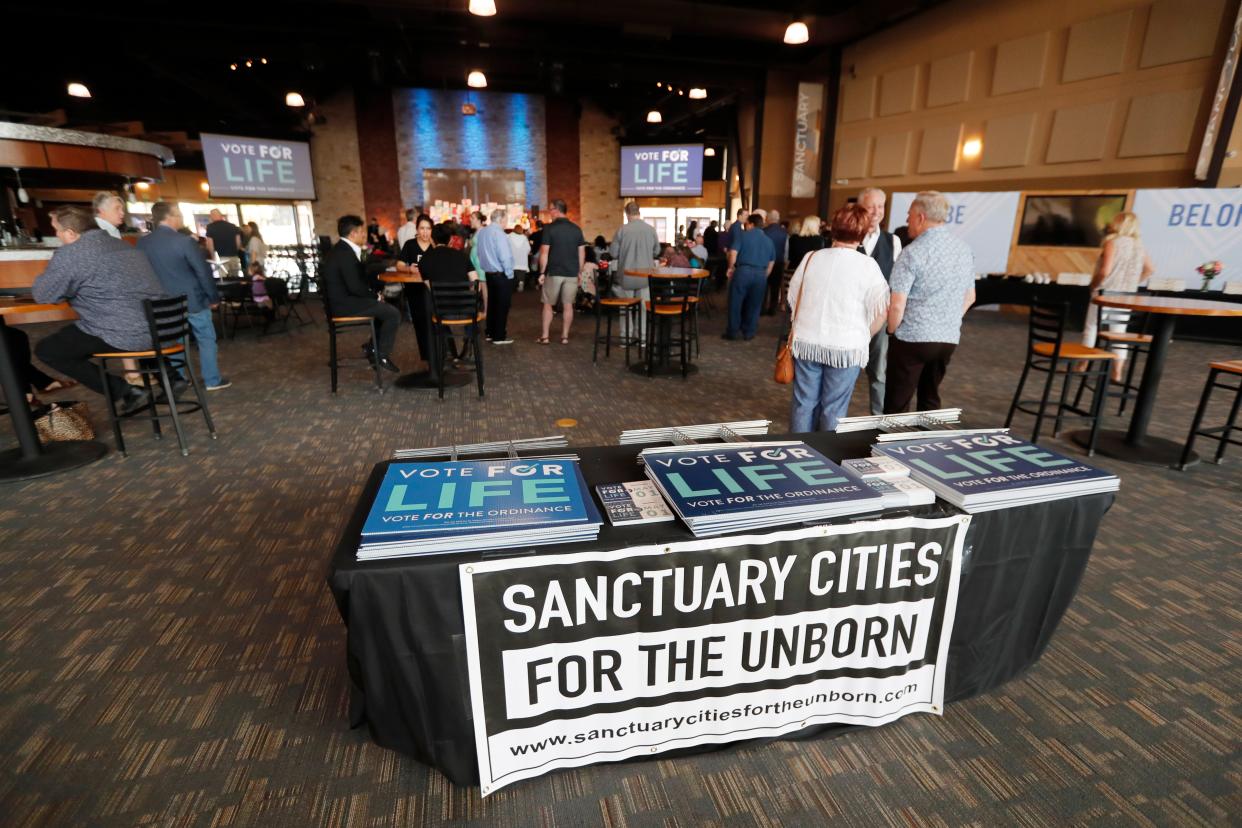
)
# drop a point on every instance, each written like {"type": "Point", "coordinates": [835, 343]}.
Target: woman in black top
{"type": "Point", "coordinates": [414, 249]}
{"type": "Point", "coordinates": [808, 240]}
{"type": "Point", "coordinates": [411, 254]}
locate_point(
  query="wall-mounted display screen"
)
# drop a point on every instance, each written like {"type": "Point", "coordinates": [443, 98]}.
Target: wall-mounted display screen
{"type": "Point", "coordinates": [257, 167]}
{"type": "Point", "coordinates": [662, 170]}
{"type": "Point", "coordinates": [1068, 220]}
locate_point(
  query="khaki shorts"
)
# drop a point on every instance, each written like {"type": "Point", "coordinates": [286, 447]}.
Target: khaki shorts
{"type": "Point", "coordinates": [560, 289]}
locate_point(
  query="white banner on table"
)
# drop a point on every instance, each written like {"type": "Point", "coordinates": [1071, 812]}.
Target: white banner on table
{"type": "Point", "coordinates": [982, 220]}
{"type": "Point", "coordinates": [1184, 228]}
{"type": "Point", "coordinates": [596, 657]}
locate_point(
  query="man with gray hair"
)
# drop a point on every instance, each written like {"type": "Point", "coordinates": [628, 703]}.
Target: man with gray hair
{"type": "Point", "coordinates": [884, 248]}
{"type": "Point", "coordinates": [780, 241]}
{"type": "Point", "coordinates": [496, 260]}
{"type": "Point", "coordinates": [635, 246]}
{"type": "Point", "coordinates": [932, 285]}
{"type": "Point", "coordinates": [109, 212]}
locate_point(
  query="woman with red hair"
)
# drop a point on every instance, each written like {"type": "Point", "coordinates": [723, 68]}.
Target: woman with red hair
{"type": "Point", "coordinates": [839, 300]}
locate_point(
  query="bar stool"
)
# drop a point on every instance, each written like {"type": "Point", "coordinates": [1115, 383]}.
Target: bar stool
{"type": "Point", "coordinates": [1047, 352]}
{"type": "Point", "coordinates": [1132, 344]}
{"type": "Point", "coordinates": [671, 298]}
{"type": "Point", "coordinates": [455, 310]}
{"type": "Point", "coordinates": [1219, 433]}
{"type": "Point", "coordinates": [168, 322]}
{"type": "Point", "coordinates": [336, 323]}
{"type": "Point", "coordinates": [607, 307]}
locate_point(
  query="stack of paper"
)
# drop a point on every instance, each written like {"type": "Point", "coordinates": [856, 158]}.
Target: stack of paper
{"type": "Point", "coordinates": [704, 431]}
{"type": "Point", "coordinates": [901, 492]}
{"type": "Point", "coordinates": [626, 504]}
{"type": "Point", "coordinates": [478, 505]}
{"type": "Point", "coordinates": [982, 472]}
{"type": "Point", "coordinates": [876, 468]}
{"type": "Point", "coordinates": [738, 486]}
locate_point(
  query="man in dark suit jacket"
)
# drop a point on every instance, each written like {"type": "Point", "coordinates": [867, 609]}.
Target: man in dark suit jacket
{"type": "Point", "coordinates": [884, 248]}
{"type": "Point", "coordinates": [350, 292]}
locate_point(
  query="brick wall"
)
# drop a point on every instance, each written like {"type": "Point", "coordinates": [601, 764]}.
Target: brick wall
{"type": "Point", "coordinates": [563, 162]}
{"type": "Point", "coordinates": [599, 174]}
{"type": "Point", "coordinates": [431, 133]}
{"type": "Point", "coordinates": [377, 148]}
{"type": "Point", "coordinates": [336, 165]}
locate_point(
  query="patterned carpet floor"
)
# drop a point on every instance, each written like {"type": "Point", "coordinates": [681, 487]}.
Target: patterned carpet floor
{"type": "Point", "coordinates": [170, 653]}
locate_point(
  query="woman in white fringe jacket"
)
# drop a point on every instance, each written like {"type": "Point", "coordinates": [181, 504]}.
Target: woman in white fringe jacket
{"type": "Point", "coordinates": [839, 300]}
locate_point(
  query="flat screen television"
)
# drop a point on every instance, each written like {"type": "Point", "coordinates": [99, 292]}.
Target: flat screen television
{"type": "Point", "coordinates": [662, 170]}
{"type": "Point", "coordinates": [1068, 220]}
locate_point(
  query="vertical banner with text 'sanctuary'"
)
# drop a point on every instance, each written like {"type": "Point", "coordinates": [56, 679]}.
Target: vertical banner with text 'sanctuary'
{"type": "Point", "coordinates": [808, 139]}
{"type": "Point", "coordinates": [596, 657]}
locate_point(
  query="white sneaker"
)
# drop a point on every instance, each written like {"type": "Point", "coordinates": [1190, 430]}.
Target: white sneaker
{"type": "Point", "coordinates": [223, 383]}
{"type": "Point", "coordinates": [502, 341]}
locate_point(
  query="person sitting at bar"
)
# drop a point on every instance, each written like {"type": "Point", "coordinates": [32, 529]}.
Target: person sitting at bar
{"type": "Point", "coordinates": [673, 257]}
{"type": "Point", "coordinates": [351, 293]}
{"type": "Point", "coordinates": [105, 281]}
{"type": "Point", "coordinates": [109, 212]}
{"type": "Point", "coordinates": [699, 250]}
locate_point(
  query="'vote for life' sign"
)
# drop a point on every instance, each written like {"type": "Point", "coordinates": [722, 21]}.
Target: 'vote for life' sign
{"type": "Point", "coordinates": [257, 167]}
{"type": "Point", "coordinates": [662, 170]}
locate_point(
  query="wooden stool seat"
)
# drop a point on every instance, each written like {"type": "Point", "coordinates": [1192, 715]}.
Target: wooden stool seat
{"type": "Point", "coordinates": [665, 309]}
{"type": "Point", "coordinates": [1071, 350]}
{"type": "Point", "coordinates": [619, 301]}
{"type": "Point", "coordinates": [453, 322]}
{"type": "Point", "coordinates": [1125, 336]}
{"type": "Point", "coordinates": [174, 349]}
{"type": "Point", "coordinates": [337, 320]}
{"type": "Point", "coordinates": [1231, 366]}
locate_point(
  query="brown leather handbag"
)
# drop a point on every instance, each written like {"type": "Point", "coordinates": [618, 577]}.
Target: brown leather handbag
{"type": "Point", "coordinates": [784, 373]}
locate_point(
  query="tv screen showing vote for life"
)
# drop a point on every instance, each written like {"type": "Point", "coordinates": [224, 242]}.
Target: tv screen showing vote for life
{"type": "Point", "coordinates": [662, 170]}
{"type": "Point", "coordinates": [257, 167]}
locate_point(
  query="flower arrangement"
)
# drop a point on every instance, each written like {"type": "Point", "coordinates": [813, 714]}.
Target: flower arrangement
{"type": "Point", "coordinates": [1209, 271]}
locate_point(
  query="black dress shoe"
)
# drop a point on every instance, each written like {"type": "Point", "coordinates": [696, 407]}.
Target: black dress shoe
{"type": "Point", "coordinates": [388, 365]}
{"type": "Point", "coordinates": [135, 400]}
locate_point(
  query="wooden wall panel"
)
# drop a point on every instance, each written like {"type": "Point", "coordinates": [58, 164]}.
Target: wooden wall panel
{"type": "Point", "coordinates": [1007, 140]}
{"type": "Point", "coordinates": [938, 149]}
{"type": "Point", "coordinates": [897, 91]}
{"type": "Point", "coordinates": [851, 158]}
{"type": "Point", "coordinates": [949, 79]}
{"type": "Point", "coordinates": [892, 151]}
{"type": "Point", "coordinates": [22, 153]}
{"type": "Point", "coordinates": [1020, 64]}
{"type": "Point", "coordinates": [65, 157]}
{"type": "Point", "coordinates": [1160, 124]}
{"type": "Point", "coordinates": [1097, 47]}
{"type": "Point", "coordinates": [1079, 133]}
{"type": "Point", "coordinates": [1179, 30]}
{"type": "Point", "coordinates": [858, 99]}
{"type": "Point", "coordinates": [133, 164]}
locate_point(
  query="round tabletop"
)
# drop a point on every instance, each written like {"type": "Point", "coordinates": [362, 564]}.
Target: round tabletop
{"type": "Point", "coordinates": [670, 273]}
{"type": "Point", "coordinates": [401, 276]}
{"type": "Point", "coordinates": [1170, 305]}
{"type": "Point", "coordinates": [28, 313]}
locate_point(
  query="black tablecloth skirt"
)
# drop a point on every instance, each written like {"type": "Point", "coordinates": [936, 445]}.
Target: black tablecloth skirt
{"type": "Point", "coordinates": [405, 645]}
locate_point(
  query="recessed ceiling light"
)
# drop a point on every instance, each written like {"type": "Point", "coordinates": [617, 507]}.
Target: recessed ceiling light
{"type": "Point", "coordinates": [250, 64]}
{"type": "Point", "coordinates": [294, 99]}
{"type": "Point", "coordinates": [476, 80]}
{"type": "Point", "coordinates": [78, 90]}
{"type": "Point", "coordinates": [710, 152]}
{"type": "Point", "coordinates": [483, 8]}
{"type": "Point", "coordinates": [796, 33]}
{"type": "Point", "coordinates": [233, 66]}
{"type": "Point", "coordinates": [698, 93]}
{"type": "Point", "coordinates": [263, 61]}
{"type": "Point", "coordinates": [654, 117]}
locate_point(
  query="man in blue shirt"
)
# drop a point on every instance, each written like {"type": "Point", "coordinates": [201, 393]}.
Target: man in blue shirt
{"type": "Point", "coordinates": [181, 269]}
{"type": "Point", "coordinates": [933, 283]}
{"type": "Point", "coordinates": [751, 254]}
{"type": "Point", "coordinates": [734, 232]}
{"type": "Point", "coordinates": [496, 260]}
{"type": "Point", "coordinates": [780, 238]}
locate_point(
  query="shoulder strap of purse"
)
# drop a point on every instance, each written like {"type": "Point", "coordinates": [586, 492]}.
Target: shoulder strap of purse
{"type": "Point", "coordinates": [801, 285]}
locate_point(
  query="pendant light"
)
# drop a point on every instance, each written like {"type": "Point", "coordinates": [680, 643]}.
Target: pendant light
{"type": "Point", "coordinates": [797, 32]}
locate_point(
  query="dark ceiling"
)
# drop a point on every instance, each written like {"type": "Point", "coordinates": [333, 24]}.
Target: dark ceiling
{"type": "Point", "coordinates": [168, 65]}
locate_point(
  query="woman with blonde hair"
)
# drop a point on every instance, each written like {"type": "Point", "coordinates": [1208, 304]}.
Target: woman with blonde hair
{"type": "Point", "coordinates": [1122, 266]}
{"type": "Point", "coordinates": [807, 239]}
{"type": "Point", "coordinates": [839, 300]}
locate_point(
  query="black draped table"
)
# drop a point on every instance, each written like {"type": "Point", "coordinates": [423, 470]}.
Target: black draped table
{"type": "Point", "coordinates": [405, 643]}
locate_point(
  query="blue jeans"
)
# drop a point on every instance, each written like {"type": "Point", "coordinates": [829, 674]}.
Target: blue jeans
{"type": "Point", "coordinates": [823, 389]}
{"type": "Point", "coordinates": [745, 301]}
{"type": "Point", "coordinates": [204, 330]}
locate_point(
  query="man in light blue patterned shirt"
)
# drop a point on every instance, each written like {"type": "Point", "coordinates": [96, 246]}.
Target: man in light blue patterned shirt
{"type": "Point", "coordinates": [933, 283]}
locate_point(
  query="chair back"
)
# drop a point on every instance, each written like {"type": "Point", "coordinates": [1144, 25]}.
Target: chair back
{"type": "Point", "coordinates": [454, 301]}
{"type": "Point", "coordinates": [168, 321]}
{"type": "Point", "coordinates": [678, 290]}
{"type": "Point", "coordinates": [277, 290]}
{"type": "Point", "coordinates": [1047, 323]}
{"type": "Point", "coordinates": [1112, 315]}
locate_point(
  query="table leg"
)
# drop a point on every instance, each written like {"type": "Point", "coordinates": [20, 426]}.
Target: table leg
{"type": "Point", "coordinates": [31, 458]}
{"type": "Point", "coordinates": [1135, 445]}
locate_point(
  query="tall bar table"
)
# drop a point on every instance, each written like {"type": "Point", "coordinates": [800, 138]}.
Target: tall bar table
{"type": "Point", "coordinates": [31, 458]}
{"type": "Point", "coordinates": [1135, 444]}
{"type": "Point", "coordinates": [663, 368]}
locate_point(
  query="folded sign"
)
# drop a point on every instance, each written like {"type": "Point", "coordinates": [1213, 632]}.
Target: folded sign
{"type": "Point", "coordinates": [577, 659]}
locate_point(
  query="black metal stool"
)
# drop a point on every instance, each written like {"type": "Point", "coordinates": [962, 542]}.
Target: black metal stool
{"type": "Point", "coordinates": [1047, 352]}
{"type": "Point", "coordinates": [1130, 343]}
{"type": "Point", "coordinates": [336, 323]}
{"type": "Point", "coordinates": [1219, 433]}
{"type": "Point", "coordinates": [607, 307]}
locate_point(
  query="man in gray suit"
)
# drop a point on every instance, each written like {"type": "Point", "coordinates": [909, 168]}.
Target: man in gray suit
{"type": "Point", "coordinates": [181, 269]}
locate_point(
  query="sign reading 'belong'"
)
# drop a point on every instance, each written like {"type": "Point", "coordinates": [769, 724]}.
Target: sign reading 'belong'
{"type": "Point", "coordinates": [662, 170]}
{"type": "Point", "coordinates": [257, 167]}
